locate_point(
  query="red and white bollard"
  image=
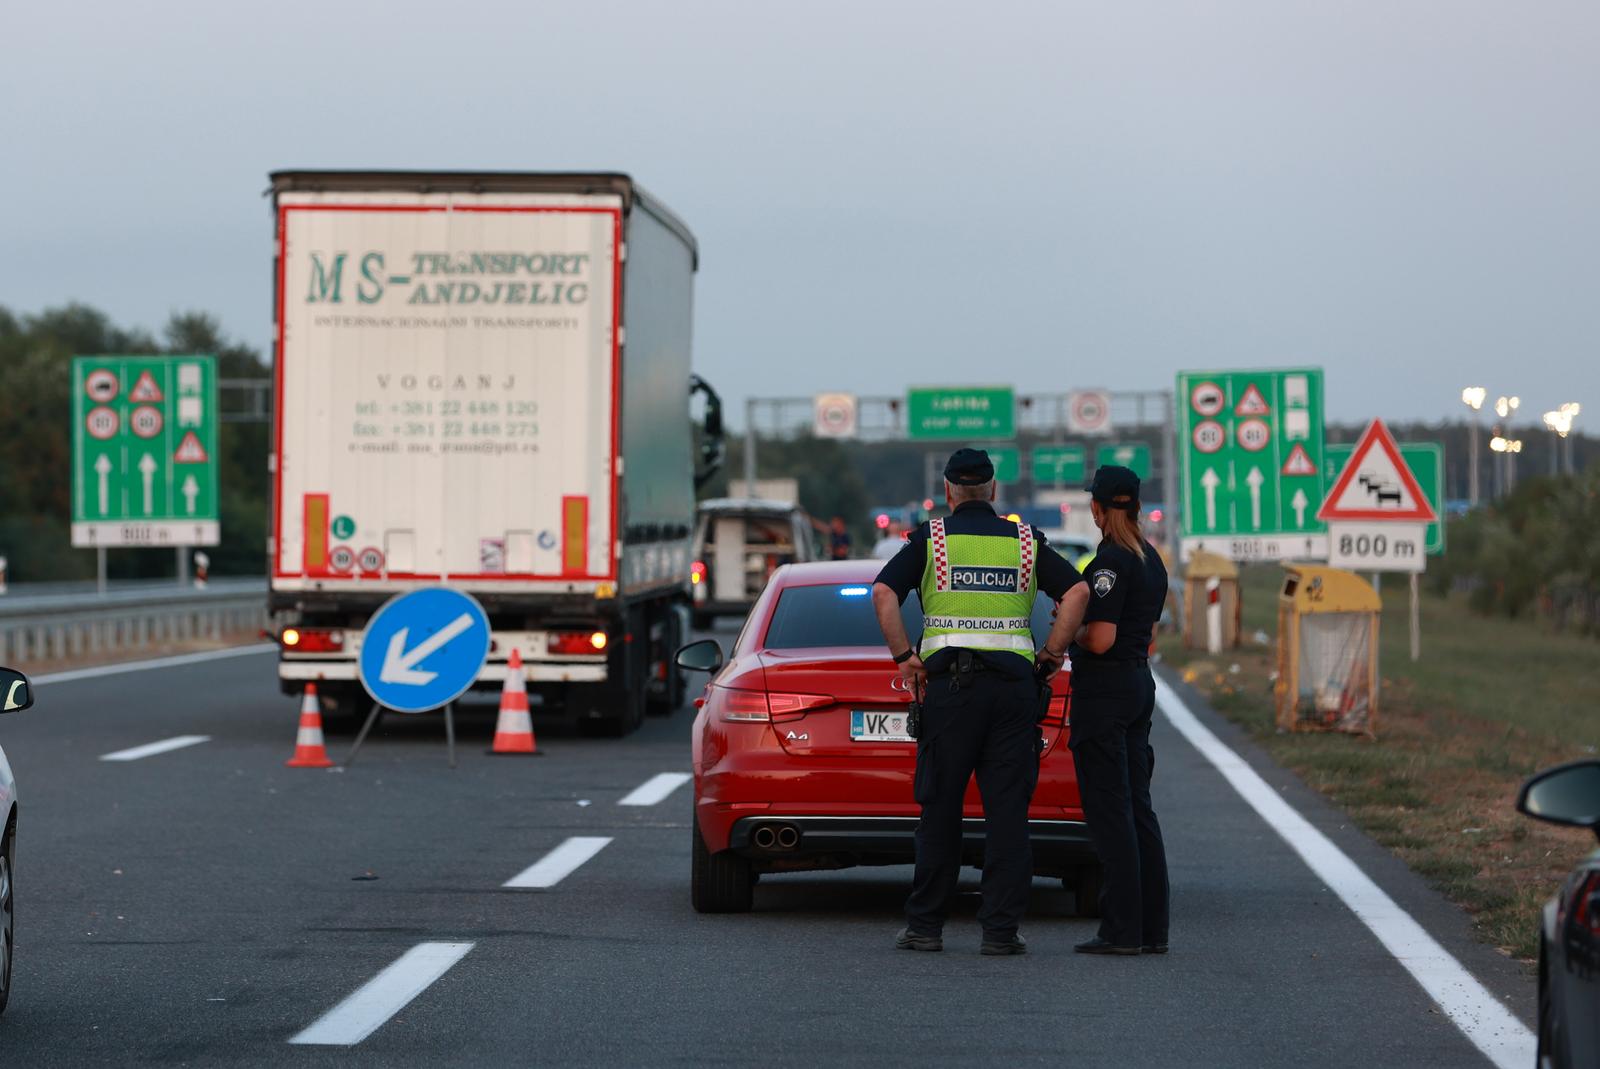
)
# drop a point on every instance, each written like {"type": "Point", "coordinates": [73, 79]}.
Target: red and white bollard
{"type": "Point", "coordinates": [1213, 615]}
{"type": "Point", "coordinates": [202, 563]}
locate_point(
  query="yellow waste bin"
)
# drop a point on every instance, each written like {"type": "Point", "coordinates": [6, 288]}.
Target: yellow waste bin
{"type": "Point", "coordinates": [1210, 602]}
{"type": "Point", "coordinates": [1327, 651]}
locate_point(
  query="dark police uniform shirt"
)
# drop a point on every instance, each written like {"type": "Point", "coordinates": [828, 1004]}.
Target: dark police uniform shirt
{"type": "Point", "coordinates": [1125, 591]}
{"type": "Point", "coordinates": [903, 574]}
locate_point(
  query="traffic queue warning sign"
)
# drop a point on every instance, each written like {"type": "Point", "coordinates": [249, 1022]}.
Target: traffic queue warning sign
{"type": "Point", "coordinates": [144, 444]}
{"type": "Point", "coordinates": [1250, 459]}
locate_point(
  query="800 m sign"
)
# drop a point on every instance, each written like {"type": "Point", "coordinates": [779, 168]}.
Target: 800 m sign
{"type": "Point", "coordinates": [1377, 547]}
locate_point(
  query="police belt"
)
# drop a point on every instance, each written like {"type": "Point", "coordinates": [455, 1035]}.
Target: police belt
{"type": "Point", "coordinates": [1083, 665]}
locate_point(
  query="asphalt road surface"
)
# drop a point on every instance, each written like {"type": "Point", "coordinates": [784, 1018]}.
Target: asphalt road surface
{"type": "Point", "coordinates": [205, 905]}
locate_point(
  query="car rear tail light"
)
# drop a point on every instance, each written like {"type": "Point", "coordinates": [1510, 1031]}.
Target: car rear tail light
{"type": "Point", "coordinates": [752, 705]}
{"type": "Point", "coordinates": [744, 705]}
{"type": "Point", "coordinates": [1586, 905]}
{"type": "Point", "coordinates": [312, 639]}
{"type": "Point", "coordinates": [578, 643]}
{"type": "Point", "coordinates": [1057, 716]}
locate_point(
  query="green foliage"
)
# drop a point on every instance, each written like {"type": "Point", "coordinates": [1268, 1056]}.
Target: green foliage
{"type": "Point", "coordinates": [35, 452]}
{"type": "Point", "coordinates": [1533, 552]}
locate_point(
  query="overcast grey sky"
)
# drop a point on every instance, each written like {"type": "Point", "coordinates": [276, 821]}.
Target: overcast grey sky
{"type": "Point", "coordinates": [1051, 195]}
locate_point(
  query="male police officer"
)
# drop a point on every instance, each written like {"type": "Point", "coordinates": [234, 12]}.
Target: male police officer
{"type": "Point", "coordinates": [977, 576]}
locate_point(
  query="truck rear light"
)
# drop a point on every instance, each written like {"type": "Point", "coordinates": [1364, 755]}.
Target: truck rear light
{"type": "Point", "coordinates": [697, 572]}
{"type": "Point", "coordinates": [578, 643]}
{"type": "Point", "coordinates": [312, 639]}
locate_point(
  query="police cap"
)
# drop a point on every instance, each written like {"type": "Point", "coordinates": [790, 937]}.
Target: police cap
{"type": "Point", "coordinates": [1112, 481]}
{"type": "Point", "coordinates": [969, 467]}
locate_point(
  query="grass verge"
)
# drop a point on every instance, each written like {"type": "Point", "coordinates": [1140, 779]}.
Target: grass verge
{"type": "Point", "coordinates": [1490, 702]}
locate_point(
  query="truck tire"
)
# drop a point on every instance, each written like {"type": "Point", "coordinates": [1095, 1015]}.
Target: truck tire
{"type": "Point", "coordinates": [718, 883]}
{"type": "Point", "coordinates": [667, 698]}
{"type": "Point", "coordinates": [344, 707]}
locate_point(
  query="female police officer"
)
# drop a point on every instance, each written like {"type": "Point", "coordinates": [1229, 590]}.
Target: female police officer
{"type": "Point", "coordinates": [1113, 697]}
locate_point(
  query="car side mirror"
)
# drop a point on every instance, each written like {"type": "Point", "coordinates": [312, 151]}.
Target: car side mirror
{"type": "Point", "coordinates": [702, 656]}
{"type": "Point", "coordinates": [1567, 794]}
{"type": "Point", "coordinates": [17, 690]}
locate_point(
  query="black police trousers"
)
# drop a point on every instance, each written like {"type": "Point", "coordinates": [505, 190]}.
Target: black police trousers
{"type": "Point", "coordinates": [988, 726]}
{"type": "Point", "coordinates": [1111, 709]}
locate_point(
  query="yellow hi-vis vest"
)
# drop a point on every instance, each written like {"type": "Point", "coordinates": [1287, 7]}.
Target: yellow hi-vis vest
{"type": "Point", "coordinates": [977, 591]}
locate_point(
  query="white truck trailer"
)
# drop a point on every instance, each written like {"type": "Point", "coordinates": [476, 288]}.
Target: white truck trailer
{"type": "Point", "coordinates": [483, 380]}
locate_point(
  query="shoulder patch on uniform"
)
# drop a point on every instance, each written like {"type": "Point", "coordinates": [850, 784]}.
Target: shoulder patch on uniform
{"type": "Point", "coordinates": [1102, 580]}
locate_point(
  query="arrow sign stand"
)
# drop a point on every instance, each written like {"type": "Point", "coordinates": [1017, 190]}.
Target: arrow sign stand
{"type": "Point", "coordinates": [377, 711]}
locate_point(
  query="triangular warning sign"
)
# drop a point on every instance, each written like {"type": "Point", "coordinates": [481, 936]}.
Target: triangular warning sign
{"type": "Point", "coordinates": [1376, 484]}
{"type": "Point", "coordinates": [1299, 462]}
{"type": "Point", "coordinates": [190, 451]}
{"type": "Point", "coordinates": [145, 389]}
{"type": "Point", "coordinates": [1252, 403]}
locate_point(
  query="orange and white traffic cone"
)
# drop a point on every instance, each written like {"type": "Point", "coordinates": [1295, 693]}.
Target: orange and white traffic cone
{"type": "Point", "coordinates": [309, 749]}
{"type": "Point", "coordinates": [513, 733]}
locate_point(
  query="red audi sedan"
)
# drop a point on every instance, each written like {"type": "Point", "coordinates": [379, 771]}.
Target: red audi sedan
{"type": "Point", "coordinates": [801, 760]}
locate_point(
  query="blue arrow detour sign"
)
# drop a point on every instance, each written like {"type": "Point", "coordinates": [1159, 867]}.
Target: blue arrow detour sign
{"type": "Point", "coordinates": [422, 650]}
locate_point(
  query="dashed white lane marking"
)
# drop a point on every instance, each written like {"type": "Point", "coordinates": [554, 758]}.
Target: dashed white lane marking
{"type": "Point", "coordinates": [655, 788]}
{"type": "Point", "coordinates": [150, 749]}
{"type": "Point", "coordinates": [159, 662]}
{"type": "Point", "coordinates": [559, 863]}
{"type": "Point", "coordinates": [366, 1009]}
{"type": "Point", "coordinates": [1492, 1028]}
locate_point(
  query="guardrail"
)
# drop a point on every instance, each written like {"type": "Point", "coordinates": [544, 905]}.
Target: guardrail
{"type": "Point", "coordinates": [55, 626]}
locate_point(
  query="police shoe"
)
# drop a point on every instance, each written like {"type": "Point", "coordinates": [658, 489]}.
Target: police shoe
{"type": "Point", "coordinates": [909, 940]}
{"type": "Point", "coordinates": [1100, 946]}
{"type": "Point", "coordinates": [1153, 948]}
{"type": "Point", "coordinates": [1015, 945]}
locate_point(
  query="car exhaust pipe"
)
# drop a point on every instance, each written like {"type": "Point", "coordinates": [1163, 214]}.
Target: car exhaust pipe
{"type": "Point", "coordinates": [764, 837]}
{"type": "Point", "coordinates": [788, 837]}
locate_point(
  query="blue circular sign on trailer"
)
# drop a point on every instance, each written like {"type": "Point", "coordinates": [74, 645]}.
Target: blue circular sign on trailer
{"type": "Point", "coordinates": [422, 650]}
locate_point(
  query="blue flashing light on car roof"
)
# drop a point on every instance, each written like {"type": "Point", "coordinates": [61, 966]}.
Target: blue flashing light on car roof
{"type": "Point", "coordinates": [853, 592]}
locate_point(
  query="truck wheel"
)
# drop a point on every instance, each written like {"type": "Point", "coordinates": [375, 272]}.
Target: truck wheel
{"type": "Point", "coordinates": [344, 707]}
{"type": "Point", "coordinates": [668, 697]}
{"type": "Point", "coordinates": [1085, 886]}
{"type": "Point", "coordinates": [718, 883]}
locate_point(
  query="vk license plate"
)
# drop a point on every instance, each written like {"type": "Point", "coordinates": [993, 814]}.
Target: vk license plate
{"type": "Point", "coordinates": [878, 727]}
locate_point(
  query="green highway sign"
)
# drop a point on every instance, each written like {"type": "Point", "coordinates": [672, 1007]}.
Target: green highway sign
{"type": "Point", "coordinates": [1250, 450]}
{"type": "Point", "coordinates": [144, 451]}
{"type": "Point", "coordinates": [1059, 465]}
{"type": "Point", "coordinates": [1007, 463]}
{"type": "Point", "coordinates": [937, 412]}
{"type": "Point", "coordinates": [1135, 455]}
{"type": "Point", "coordinates": [1426, 461]}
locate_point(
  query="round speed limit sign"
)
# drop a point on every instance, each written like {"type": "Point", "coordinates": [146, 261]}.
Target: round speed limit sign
{"type": "Point", "coordinates": [1209, 436]}
{"type": "Point", "coordinates": [370, 560]}
{"type": "Point", "coordinates": [1254, 435]}
{"type": "Point", "coordinates": [146, 421]}
{"type": "Point", "coordinates": [342, 558]}
{"type": "Point", "coordinates": [102, 422]}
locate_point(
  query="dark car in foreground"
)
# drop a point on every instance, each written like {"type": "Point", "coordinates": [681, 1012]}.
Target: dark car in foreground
{"type": "Point", "coordinates": [1569, 935]}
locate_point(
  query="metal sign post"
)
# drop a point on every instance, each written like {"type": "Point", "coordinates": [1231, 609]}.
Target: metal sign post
{"type": "Point", "coordinates": [421, 651]}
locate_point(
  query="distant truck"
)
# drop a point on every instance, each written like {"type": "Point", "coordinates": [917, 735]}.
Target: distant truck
{"type": "Point", "coordinates": [739, 542]}
{"type": "Point", "coordinates": [483, 380]}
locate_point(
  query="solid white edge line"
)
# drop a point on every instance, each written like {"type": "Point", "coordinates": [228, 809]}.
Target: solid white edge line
{"type": "Point", "coordinates": [1480, 1016]}
{"type": "Point", "coordinates": [369, 1006]}
{"type": "Point", "coordinates": [146, 666]}
{"type": "Point", "coordinates": [655, 788]}
{"type": "Point", "coordinates": [150, 749]}
{"type": "Point", "coordinates": [559, 863]}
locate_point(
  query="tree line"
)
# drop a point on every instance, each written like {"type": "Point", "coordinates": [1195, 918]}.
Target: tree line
{"type": "Point", "coordinates": [36, 354]}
